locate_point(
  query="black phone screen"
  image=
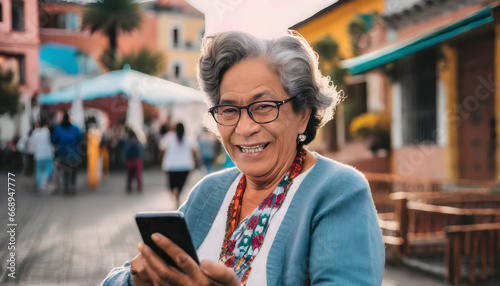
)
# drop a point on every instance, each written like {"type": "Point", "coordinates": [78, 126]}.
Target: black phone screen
{"type": "Point", "coordinates": [171, 225]}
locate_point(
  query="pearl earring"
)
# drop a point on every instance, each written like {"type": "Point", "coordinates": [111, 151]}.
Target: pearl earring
{"type": "Point", "coordinates": [302, 137]}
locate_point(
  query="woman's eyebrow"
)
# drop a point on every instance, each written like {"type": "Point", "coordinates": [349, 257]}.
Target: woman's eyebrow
{"type": "Point", "coordinates": [255, 97]}
{"type": "Point", "coordinates": [260, 95]}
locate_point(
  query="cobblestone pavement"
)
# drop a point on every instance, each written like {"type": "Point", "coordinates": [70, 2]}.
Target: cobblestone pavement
{"type": "Point", "coordinates": [76, 240]}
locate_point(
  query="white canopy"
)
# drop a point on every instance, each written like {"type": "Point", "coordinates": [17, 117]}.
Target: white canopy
{"type": "Point", "coordinates": [150, 89]}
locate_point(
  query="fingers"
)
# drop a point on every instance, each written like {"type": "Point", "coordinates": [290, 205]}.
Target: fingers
{"type": "Point", "coordinates": [190, 274]}
{"type": "Point", "coordinates": [138, 272]}
{"type": "Point", "coordinates": [159, 272]}
{"type": "Point", "coordinates": [218, 273]}
{"type": "Point", "coordinates": [178, 255]}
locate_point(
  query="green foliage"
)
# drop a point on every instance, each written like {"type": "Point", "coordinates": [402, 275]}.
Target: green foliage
{"type": "Point", "coordinates": [328, 52]}
{"type": "Point", "coordinates": [358, 28]}
{"type": "Point", "coordinates": [327, 48]}
{"type": "Point", "coordinates": [111, 17]}
{"type": "Point", "coordinates": [145, 61]}
{"type": "Point", "coordinates": [337, 75]}
{"type": "Point", "coordinates": [9, 93]}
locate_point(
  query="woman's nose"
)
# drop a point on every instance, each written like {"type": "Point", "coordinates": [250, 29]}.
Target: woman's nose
{"type": "Point", "coordinates": [246, 126]}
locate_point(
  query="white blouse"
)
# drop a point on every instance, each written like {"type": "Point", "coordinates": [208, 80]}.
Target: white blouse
{"type": "Point", "coordinates": [211, 246]}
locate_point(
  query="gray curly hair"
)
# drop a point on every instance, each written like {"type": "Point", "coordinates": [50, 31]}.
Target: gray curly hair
{"type": "Point", "coordinates": [290, 56]}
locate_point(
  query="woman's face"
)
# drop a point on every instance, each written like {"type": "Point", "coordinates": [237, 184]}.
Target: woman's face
{"type": "Point", "coordinates": [259, 150]}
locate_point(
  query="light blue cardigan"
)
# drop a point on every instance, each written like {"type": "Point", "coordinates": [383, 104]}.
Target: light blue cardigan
{"type": "Point", "coordinates": [329, 236]}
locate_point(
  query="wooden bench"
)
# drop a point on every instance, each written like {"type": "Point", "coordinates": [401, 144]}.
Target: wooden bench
{"type": "Point", "coordinates": [472, 242]}
{"type": "Point", "coordinates": [383, 185]}
{"type": "Point", "coordinates": [416, 225]}
{"type": "Point", "coordinates": [426, 220]}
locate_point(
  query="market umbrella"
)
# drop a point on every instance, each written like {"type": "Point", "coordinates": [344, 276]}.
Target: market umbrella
{"type": "Point", "coordinates": [77, 113]}
{"type": "Point", "coordinates": [150, 89]}
{"type": "Point", "coordinates": [135, 118]}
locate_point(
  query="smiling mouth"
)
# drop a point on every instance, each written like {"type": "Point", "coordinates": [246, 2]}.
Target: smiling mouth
{"type": "Point", "coordinates": [253, 149]}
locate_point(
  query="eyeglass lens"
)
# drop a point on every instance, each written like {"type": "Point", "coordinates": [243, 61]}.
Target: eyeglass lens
{"type": "Point", "coordinates": [260, 112]}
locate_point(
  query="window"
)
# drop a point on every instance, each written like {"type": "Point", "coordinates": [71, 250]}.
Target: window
{"type": "Point", "coordinates": [70, 21]}
{"type": "Point", "coordinates": [177, 71]}
{"type": "Point", "coordinates": [417, 74]}
{"type": "Point", "coordinates": [18, 15]}
{"type": "Point", "coordinates": [202, 34]}
{"type": "Point", "coordinates": [16, 64]}
{"type": "Point", "coordinates": [22, 70]}
{"type": "Point", "coordinates": [175, 38]}
{"type": "Point", "coordinates": [354, 105]}
{"type": "Point", "coordinates": [49, 20]}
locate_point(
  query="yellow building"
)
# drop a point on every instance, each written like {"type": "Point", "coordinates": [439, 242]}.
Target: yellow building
{"type": "Point", "coordinates": [441, 60]}
{"type": "Point", "coordinates": [334, 21]}
{"type": "Point", "coordinates": [180, 29]}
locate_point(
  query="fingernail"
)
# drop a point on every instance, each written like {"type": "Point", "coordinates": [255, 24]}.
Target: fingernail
{"type": "Point", "coordinates": [140, 247]}
{"type": "Point", "coordinates": [181, 260]}
{"type": "Point", "coordinates": [155, 236]}
{"type": "Point", "coordinates": [206, 264]}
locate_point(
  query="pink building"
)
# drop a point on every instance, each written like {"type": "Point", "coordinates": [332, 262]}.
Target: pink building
{"type": "Point", "coordinates": [19, 42]}
{"type": "Point", "coordinates": [61, 23]}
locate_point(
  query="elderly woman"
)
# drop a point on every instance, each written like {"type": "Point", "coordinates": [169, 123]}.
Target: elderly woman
{"type": "Point", "coordinates": [285, 215]}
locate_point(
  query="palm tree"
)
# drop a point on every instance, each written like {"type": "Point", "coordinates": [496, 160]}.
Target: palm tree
{"type": "Point", "coordinates": [146, 61]}
{"type": "Point", "coordinates": [111, 17]}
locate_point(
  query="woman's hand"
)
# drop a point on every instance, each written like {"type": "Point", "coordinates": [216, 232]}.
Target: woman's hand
{"type": "Point", "coordinates": [139, 274]}
{"type": "Point", "coordinates": [159, 273]}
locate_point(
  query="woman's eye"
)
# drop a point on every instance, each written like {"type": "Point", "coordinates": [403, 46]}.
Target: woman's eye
{"type": "Point", "coordinates": [229, 110]}
{"type": "Point", "coordinates": [263, 106]}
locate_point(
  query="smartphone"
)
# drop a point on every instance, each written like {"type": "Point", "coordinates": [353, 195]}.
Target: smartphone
{"type": "Point", "coordinates": [170, 224]}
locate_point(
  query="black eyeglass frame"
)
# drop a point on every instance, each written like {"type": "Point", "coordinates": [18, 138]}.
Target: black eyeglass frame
{"type": "Point", "coordinates": [278, 103]}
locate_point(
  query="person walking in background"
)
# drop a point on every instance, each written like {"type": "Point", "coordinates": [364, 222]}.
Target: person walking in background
{"type": "Point", "coordinates": [94, 166]}
{"type": "Point", "coordinates": [134, 155]}
{"type": "Point", "coordinates": [209, 147]}
{"type": "Point", "coordinates": [26, 154]}
{"type": "Point", "coordinates": [43, 153]}
{"type": "Point", "coordinates": [179, 158]}
{"type": "Point", "coordinates": [67, 138]}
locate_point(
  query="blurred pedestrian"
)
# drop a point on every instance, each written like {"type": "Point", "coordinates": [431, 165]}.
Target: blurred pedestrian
{"type": "Point", "coordinates": [94, 166]}
{"type": "Point", "coordinates": [179, 158]}
{"type": "Point", "coordinates": [11, 156]}
{"type": "Point", "coordinates": [134, 152]}
{"type": "Point", "coordinates": [26, 154]}
{"type": "Point", "coordinates": [67, 139]}
{"type": "Point", "coordinates": [209, 149]}
{"type": "Point", "coordinates": [43, 153]}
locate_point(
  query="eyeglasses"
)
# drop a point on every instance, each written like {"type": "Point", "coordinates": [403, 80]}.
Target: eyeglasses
{"type": "Point", "coordinates": [260, 111]}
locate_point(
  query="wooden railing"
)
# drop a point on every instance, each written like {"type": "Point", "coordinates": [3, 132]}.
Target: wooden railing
{"type": "Point", "coordinates": [425, 223]}
{"type": "Point", "coordinates": [383, 185]}
{"type": "Point", "coordinates": [478, 244]}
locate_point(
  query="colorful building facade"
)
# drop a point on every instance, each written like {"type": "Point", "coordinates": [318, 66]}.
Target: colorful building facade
{"type": "Point", "coordinates": [180, 29]}
{"type": "Point", "coordinates": [440, 61]}
{"type": "Point", "coordinates": [61, 22]}
{"type": "Point", "coordinates": [19, 41]}
{"type": "Point", "coordinates": [333, 22]}
{"type": "Point", "coordinates": [19, 48]}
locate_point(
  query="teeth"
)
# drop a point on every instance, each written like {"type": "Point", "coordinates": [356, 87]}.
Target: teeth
{"type": "Point", "coordinates": [253, 149]}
